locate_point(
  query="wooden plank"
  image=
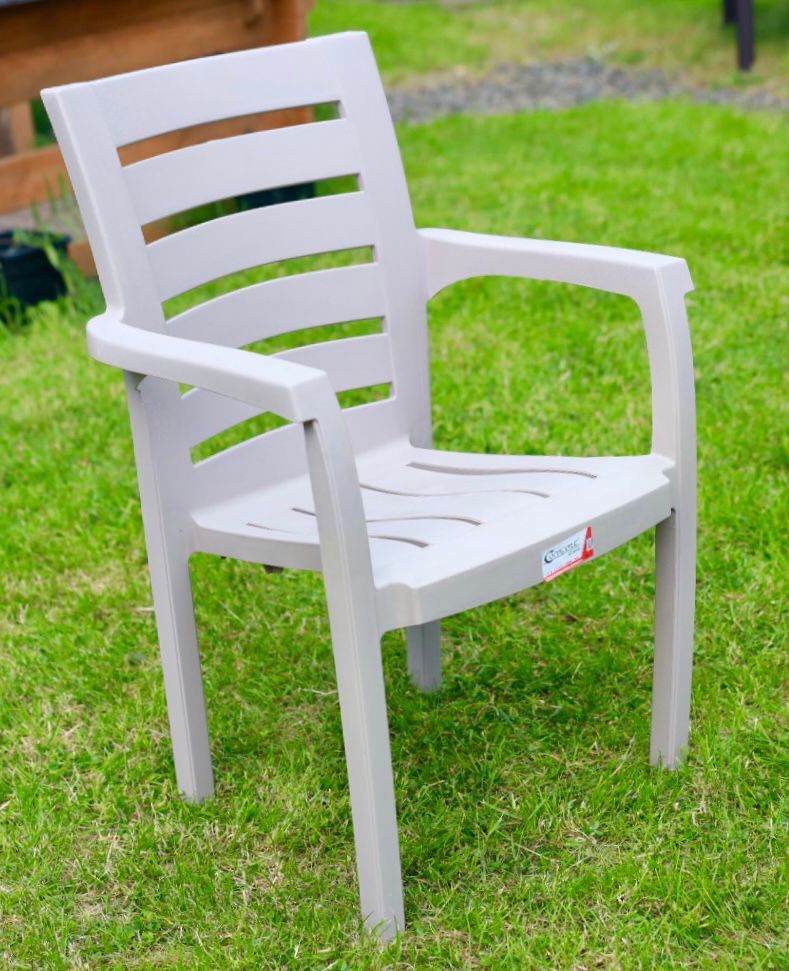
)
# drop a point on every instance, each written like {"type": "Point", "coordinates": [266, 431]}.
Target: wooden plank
{"type": "Point", "coordinates": [31, 25]}
{"type": "Point", "coordinates": [62, 41]}
{"type": "Point", "coordinates": [80, 253]}
{"type": "Point", "coordinates": [24, 177]}
{"type": "Point", "coordinates": [16, 129]}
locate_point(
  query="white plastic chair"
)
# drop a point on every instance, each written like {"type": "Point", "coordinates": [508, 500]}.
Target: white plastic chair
{"type": "Point", "coordinates": [403, 534]}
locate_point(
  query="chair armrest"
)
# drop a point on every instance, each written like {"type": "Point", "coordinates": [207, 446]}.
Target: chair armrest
{"type": "Point", "coordinates": [292, 391]}
{"type": "Point", "coordinates": [657, 283]}
{"type": "Point", "coordinates": [451, 256]}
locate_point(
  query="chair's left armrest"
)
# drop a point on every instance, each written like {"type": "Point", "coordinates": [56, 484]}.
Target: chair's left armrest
{"type": "Point", "coordinates": [293, 391]}
{"type": "Point", "coordinates": [658, 285]}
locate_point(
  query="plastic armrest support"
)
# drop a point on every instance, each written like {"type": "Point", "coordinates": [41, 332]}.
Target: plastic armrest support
{"type": "Point", "coordinates": [658, 285]}
{"type": "Point", "coordinates": [451, 256]}
{"type": "Point", "coordinates": [292, 391]}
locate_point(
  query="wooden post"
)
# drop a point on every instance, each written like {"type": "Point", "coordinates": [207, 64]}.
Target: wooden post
{"type": "Point", "coordinates": [16, 129]}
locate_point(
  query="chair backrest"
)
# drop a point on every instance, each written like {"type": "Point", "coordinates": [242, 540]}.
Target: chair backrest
{"type": "Point", "coordinates": [94, 120]}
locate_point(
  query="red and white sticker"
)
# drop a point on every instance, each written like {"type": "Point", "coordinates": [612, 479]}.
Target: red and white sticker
{"type": "Point", "coordinates": [567, 554]}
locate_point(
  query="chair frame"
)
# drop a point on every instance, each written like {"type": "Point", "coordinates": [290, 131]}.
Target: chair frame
{"type": "Point", "coordinates": [326, 443]}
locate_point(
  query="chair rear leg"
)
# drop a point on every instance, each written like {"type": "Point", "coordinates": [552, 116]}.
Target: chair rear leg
{"type": "Point", "coordinates": [360, 684]}
{"type": "Point", "coordinates": [183, 682]}
{"type": "Point", "coordinates": [675, 588]}
{"type": "Point", "coordinates": [424, 655]}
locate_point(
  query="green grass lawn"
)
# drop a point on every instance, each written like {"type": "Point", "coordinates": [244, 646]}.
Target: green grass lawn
{"type": "Point", "coordinates": [534, 834]}
{"type": "Point", "coordinates": [684, 37]}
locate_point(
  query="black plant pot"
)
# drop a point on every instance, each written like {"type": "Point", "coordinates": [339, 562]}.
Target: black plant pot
{"type": "Point", "coordinates": [29, 275]}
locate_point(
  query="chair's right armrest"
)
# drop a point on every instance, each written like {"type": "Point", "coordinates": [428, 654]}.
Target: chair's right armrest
{"type": "Point", "coordinates": [292, 391]}
{"type": "Point", "coordinates": [657, 283]}
{"type": "Point", "coordinates": [452, 255]}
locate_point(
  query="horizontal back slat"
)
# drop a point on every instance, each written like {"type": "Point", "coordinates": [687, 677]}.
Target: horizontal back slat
{"type": "Point", "coordinates": [227, 167]}
{"type": "Point", "coordinates": [223, 246]}
{"type": "Point", "coordinates": [287, 304]}
{"type": "Point", "coordinates": [268, 459]}
{"type": "Point", "coordinates": [205, 414]}
{"type": "Point", "coordinates": [147, 103]}
{"type": "Point", "coordinates": [354, 362]}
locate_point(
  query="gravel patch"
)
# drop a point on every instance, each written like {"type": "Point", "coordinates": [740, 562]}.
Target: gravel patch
{"type": "Point", "coordinates": [554, 85]}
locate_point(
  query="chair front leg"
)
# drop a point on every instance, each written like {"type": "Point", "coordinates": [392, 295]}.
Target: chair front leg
{"type": "Point", "coordinates": [675, 583]}
{"type": "Point", "coordinates": [360, 685]}
{"type": "Point", "coordinates": [183, 681]}
{"type": "Point", "coordinates": [350, 594]}
{"type": "Point", "coordinates": [168, 562]}
{"type": "Point", "coordinates": [424, 655]}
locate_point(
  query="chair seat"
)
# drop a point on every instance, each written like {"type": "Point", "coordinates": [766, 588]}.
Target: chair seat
{"type": "Point", "coordinates": [449, 530]}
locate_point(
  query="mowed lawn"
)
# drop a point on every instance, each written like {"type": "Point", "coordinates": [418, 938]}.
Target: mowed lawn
{"type": "Point", "coordinates": [683, 37]}
{"type": "Point", "coordinates": [534, 834]}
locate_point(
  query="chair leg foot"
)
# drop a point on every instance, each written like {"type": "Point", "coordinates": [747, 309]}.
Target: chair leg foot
{"type": "Point", "coordinates": [424, 655]}
{"type": "Point", "coordinates": [360, 684]}
{"type": "Point", "coordinates": [675, 547]}
{"type": "Point", "coordinates": [183, 682]}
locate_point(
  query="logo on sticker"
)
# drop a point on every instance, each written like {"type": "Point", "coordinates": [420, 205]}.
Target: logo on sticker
{"type": "Point", "coordinates": [570, 552]}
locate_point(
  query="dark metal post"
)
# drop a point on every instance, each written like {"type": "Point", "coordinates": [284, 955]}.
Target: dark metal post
{"type": "Point", "coordinates": [745, 53]}
{"type": "Point", "coordinates": [729, 11]}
